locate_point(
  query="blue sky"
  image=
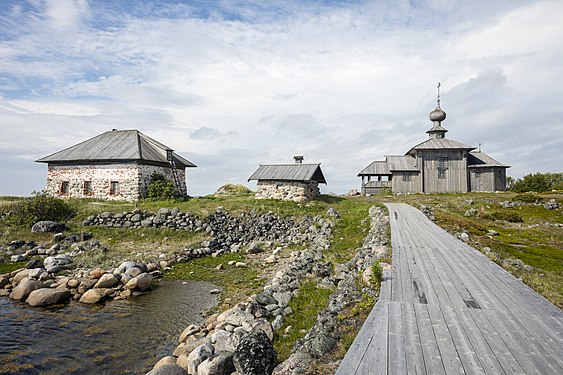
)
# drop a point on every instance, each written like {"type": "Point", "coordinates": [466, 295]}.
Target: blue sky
{"type": "Point", "coordinates": [231, 84]}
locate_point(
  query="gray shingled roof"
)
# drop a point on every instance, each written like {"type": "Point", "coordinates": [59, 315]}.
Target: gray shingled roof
{"type": "Point", "coordinates": [289, 172]}
{"type": "Point", "coordinates": [401, 163]}
{"type": "Point", "coordinates": [440, 144]}
{"type": "Point", "coordinates": [478, 159]}
{"type": "Point", "coordinates": [376, 168]}
{"type": "Point", "coordinates": [117, 145]}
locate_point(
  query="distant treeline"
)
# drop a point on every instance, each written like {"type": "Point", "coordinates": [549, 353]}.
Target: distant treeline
{"type": "Point", "coordinates": [538, 182]}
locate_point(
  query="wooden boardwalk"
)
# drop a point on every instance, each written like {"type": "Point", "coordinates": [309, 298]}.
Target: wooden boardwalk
{"type": "Point", "coordinates": [445, 308]}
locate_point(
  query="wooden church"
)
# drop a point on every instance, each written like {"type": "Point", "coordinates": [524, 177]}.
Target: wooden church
{"type": "Point", "coordinates": [437, 165]}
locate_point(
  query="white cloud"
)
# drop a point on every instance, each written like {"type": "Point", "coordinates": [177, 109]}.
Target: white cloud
{"type": "Point", "coordinates": [343, 84]}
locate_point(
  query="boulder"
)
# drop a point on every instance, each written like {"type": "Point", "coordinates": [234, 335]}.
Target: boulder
{"type": "Point", "coordinates": [4, 281]}
{"type": "Point", "coordinates": [198, 355]}
{"type": "Point", "coordinates": [20, 276]}
{"type": "Point", "coordinates": [93, 296]}
{"type": "Point", "coordinates": [220, 363]}
{"type": "Point", "coordinates": [48, 296]}
{"type": "Point", "coordinates": [35, 263]}
{"type": "Point", "coordinates": [333, 213]}
{"type": "Point", "coordinates": [96, 273]}
{"type": "Point", "coordinates": [168, 360]}
{"type": "Point", "coordinates": [54, 263]}
{"type": "Point", "coordinates": [255, 354]}
{"type": "Point", "coordinates": [107, 280]}
{"type": "Point", "coordinates": [141, 282]}
{"type": "Point", "coordinates": [168, 370]}
{"type": "Point", "coordinates": [24, 288]}
{"type": "Point", "coordinates": [47, 226]}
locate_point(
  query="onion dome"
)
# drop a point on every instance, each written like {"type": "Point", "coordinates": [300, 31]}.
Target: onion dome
{"type": "Point", "coordinates": [437, 114]}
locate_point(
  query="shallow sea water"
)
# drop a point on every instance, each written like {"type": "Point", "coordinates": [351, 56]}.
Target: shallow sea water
{"type": "Point", "coordinates": [120, 337]}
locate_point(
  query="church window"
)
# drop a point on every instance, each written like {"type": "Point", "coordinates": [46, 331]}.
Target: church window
{"type": "Point", "coordinates": [442, 163]}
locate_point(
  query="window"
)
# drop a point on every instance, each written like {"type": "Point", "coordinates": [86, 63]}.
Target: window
{"type": "Point", "coordinates": [441, 173]}
{"type": "Point", "coordinates": [406, 178]}
{"type": "Point", "coordinates": [477, 174]}
{"type": "Point", "coordinates": [114, 188]}
{"type": "Point", "coordinates": [88, 188]}
{"type": "Point", "coordinates": [442, 163]}
{"type": "Point", "coordinates": [64, 187]}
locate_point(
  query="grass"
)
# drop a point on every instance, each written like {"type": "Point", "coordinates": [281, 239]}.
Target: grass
{"type": "Point", "coordinates": [237, 283]}
{"type": "Point", "coordinates": [7, 267]}
{"type": "Point", "coordinates": [310, 300]}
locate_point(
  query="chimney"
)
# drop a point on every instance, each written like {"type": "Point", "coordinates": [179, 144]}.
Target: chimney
{"type": "Point", "coordinates": [298, 159]}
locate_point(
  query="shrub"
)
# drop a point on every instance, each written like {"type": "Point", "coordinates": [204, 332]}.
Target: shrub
{"type": "Point", "coordinates": [377, 275]}
{"type": "Point", "coordinates": [161, 188]}
{"type": "Point", "coordinates": [505, 215]}
{"type": "Point", "coordinates": [527, 198]}
{"type": "Point", "coordinates": [40, 207]}
{"type": "Point", "coordinates": [538, 182]}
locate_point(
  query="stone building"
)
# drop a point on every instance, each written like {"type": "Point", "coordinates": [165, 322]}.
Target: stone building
{"type": "Point", "coordinates": [297, 182]}
{"type": "Point", "coordinates": [115, 165]}
{"type": "Point", "coordinates": [437, 165]}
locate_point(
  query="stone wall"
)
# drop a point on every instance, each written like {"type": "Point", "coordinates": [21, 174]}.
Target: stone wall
{"type": "Point", "coordinates": [132, 178]}
{"type": "Point", "coordinates": [298, 191]}
{"type": "Point", "coordinates": [146, 172]}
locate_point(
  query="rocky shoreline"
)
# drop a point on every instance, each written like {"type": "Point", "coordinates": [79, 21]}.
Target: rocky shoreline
{"type": "Point", "coordinates": [39, 280]}
{"type": "Point", "coordinates": [239, 340]}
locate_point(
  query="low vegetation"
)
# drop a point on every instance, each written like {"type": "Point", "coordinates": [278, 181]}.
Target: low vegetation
{"type": "Point", "coordinates": [39, 206]}
{"type": "Point", "coordinates": [526, 231]}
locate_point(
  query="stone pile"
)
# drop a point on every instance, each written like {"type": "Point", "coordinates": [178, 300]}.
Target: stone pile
{"type": "Point", "coordinates": [39, 287]}
{"type": "Point", "coordinates": [428, 211]}
{"type": "Point", "coordinates": [324, 335]}
{"type": "Point", "coordinates": [219, 343]}
{"type": "Point", "coordinates": [20, 250]}
{"type": "Point", "coordinates": [228, 233]}
{"type": "Point", "coordinates": [216, 346]}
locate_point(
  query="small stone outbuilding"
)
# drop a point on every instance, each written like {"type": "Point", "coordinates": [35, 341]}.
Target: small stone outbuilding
{"type": "Point", "coordinates": [115, 165]}
{"type": "Point", "coordinates": [297, 182]}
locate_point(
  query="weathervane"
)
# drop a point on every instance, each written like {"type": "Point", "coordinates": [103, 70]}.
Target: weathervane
{"type": "Point", "coordinates": [438, 93]}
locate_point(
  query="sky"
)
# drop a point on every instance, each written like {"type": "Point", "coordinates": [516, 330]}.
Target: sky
{"type": "Point", "coordinates": [233, 84]}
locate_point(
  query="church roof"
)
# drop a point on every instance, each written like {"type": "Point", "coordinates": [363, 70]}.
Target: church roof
{"type": "Point", "coordinates": [289, 172]}
{"type": "Point", "coordinates": [376, 168]}
{"type": "Point", "coordinates": [117, 145]}
{"type": "Point", "coordinates": [478, 159]}
{"type": "Point", "coordinates": [440, 144]}
{"type": "Point", "coordinates": [401, 163]}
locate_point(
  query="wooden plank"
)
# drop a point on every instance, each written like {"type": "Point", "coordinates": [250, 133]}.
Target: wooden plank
{"type": "Point", "coordinates": [430, 351]}
{"type": "Point", "coordinates": [448, 350]}
{"type": "Point", "coordinates": [375, 358]}
{"type": "Point", "coordinates": [483, 351]}
{"type": "Point", "coordinates": [523, 345]}
{"type": "Point", "coordinates": [469, 359]}
{"type": "Point", "coordinates": [356, 352]}
{"type": "Point", "coordinates": [496, 345]}
{"type": "Point", "coordinates": [396, 352]}
{"type": "Point", "coordinates": [413, 346]}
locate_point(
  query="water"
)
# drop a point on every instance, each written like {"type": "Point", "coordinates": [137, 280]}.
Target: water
{"type": "Point", "coordinates": [121, 337]}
